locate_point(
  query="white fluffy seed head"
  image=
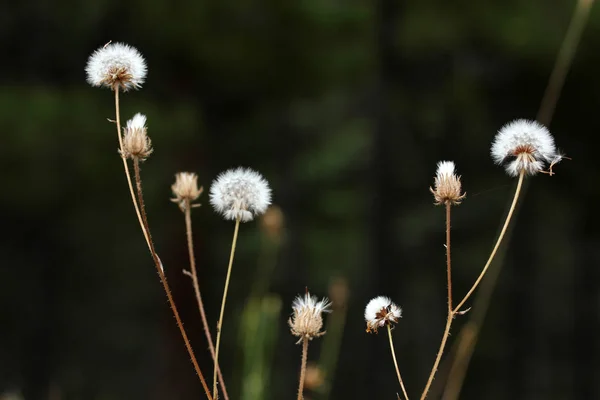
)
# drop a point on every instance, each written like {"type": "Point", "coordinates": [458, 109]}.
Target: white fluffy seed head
{"type": "Point", "coordinates": [381, 311]}
{"type": "Point", "coordinates": [523, 146]}
{"type": "Point", "coordinates": [307, 319]}
{"type": "Point", "coordinates": [116, 66]}
{"type": "Point", "coordinates": [447, 185]}
{"type": "Point", "coordinates": [240, 194]}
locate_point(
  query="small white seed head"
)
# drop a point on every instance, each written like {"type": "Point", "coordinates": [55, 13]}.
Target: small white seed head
{"type": "Point", "coordinates": [240, 194]}
{"type": "Point", "coordinates": [381, 311]}
{"type": "Point", "coordinates": [524, 146]}
{"type": "Point", "coordinates": [116, 66]}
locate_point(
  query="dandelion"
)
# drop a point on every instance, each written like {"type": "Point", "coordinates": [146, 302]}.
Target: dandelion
{"type": "Point", "coordinates": [306, 322]}
{"type": "Point", "coordinates": [524, 146]}
{"type": "Point", "coordinates": [379, 312]}
{"type": "Point", "coordinates": [185, 189]}
{"type": "Point", "coordinates": [116, 66]}
{"type": "Point", "coordinates": [136, 143]}
{"type": "Point", "coordinates": [240, 194]}
{"type": "Point", "coordinates": [447, 186]}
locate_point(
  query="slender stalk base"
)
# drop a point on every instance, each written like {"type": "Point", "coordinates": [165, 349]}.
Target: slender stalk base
{"type": "Point", "coordinates": [389, 329]}
{"type": "Point", "coordinates": [163, 278]}
{"type": "Point", "coordinates": [498, 242]}
{"type": "Point", "coordinates": [194, 276]}
{"type": "Point", "coordinates": [303, 368]}
{"type": "Point", "coordinates": [220, 322]}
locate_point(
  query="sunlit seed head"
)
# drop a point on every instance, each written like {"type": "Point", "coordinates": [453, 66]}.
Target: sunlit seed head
{"type": "Point", "coordinates": [447, 185]}
{"type": "Point", "coordinates": [524, 146]}
{"type": "Point", "coordinates": [116, 66]}
{"type": "Point", "coordinates": [381, 311]}
{"type": "Point", "coordinates": [240, 194]}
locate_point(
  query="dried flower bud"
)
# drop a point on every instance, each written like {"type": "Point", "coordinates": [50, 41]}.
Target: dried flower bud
{"type": "Point", "coordinates": [307, 321]}
{"type": "Point", "coordinates": [240, 194]}
{"type": "Point", "coordinates": [447, 184]}
{"type": "Point", "coordinates": [185, 189]}
{"type": "Point", "coordinates": [272, 222]}
{"type": "Point", "coordinates": [338, 292]}
{"type": "Point", "coordinates": [524, 146]}
{"type": "Point", "coordinates": [116, 66]}
{"type": "Point", "coordinates": [136, 143]}
{"type": "Point", "coordinates": [381, 311]}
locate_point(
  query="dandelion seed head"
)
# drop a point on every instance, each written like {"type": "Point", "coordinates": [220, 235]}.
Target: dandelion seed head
{"type": "Point", "coordinates": [136, 143]}
{"type": "Point", "coordinates": [307, 318]}
{"type": "Point", "coordinates": [447, 185]}
{"type": "Point", "coordinates": [185, 189]}
{"type": "Point", "coordinates": [381, 311]}
{"type": "Point", "coordinates": [523, 146]}
{"type": "Point", "coordinates": [240, 193]}
{"type": "Point", "coordinates": [116, 66]}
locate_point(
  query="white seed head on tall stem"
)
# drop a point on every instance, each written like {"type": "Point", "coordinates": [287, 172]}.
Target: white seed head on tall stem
{"type": "Point", "coordinates": [136, 142]}
{"type": "Point", "coordinates": [116, 66]}
{"type": "Point", "coordinates": [524, 146]}
{"type": "Point", "coordinates": [307, 319]}
{"type": "Point", "coordinates": [447, 185]}
{"type": "Point", "coordinates": [240, 194]}
{"type": "Point", "coordinates": [381, 311]}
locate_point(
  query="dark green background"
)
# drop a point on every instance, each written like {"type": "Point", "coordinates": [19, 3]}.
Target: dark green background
{"type": "Point", "coordinates": [345, 107]}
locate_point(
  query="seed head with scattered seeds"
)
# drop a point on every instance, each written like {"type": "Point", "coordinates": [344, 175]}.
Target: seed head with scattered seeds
{"type": "Point", "coordinates": [381, 311]}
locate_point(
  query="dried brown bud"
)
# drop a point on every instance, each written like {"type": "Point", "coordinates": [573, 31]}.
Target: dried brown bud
{"type": "Point", "coordinates": [447, 187]}
{"type": "Point", "coordinates": [338, 292]}
{"type": "Point", "coordinates": [136, 143]}
{"type": "Point", "coordinates": [185, 189]}
{"type": "Point", "coordinates": [307, 320]}
{"type": "Point", "coordinates": [314, 377]}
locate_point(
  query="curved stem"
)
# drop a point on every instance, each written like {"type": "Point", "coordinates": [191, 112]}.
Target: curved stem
{"type": "Point", "coordinates": [497, 245]}
{"type": "Point", "coordinates": [194, 276]}
{"type": "Point", "coordinates": [220, 322]}
{"type": "Point", "coordinates": [451, 313]}
{"type": "Point", "coordinates": [127, 174]}
{"type": "Point", "coordinates": [389, 329]}
{"type": "Point", "coordinates": [163, 278]}
{"type": "Point", "coordinates": [303, 368]}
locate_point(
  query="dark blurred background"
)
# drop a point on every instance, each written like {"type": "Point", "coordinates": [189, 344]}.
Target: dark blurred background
{"type": "Point", "coordinates": [345, 107]}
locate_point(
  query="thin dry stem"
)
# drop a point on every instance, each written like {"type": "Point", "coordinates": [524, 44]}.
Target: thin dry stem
{"type": "Point", "coordinates": [451, 313]}
{"type": "Point", "coordinates": [220, 322]}
{"type": "Point", "coordinates": [389, 328]}
{"type": "Point", "coordinates": [163, 278]}
{"type": "Point", "coordinates": [303, 368]}
{"type": "Point", "coordinates": [194, 276]}
{"type": "Point", "coordinates": [497, 245]}
{"type": "Point", "coordinates": [439, 355]}
{"type": "Point", "coordinates": [127, 174]}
